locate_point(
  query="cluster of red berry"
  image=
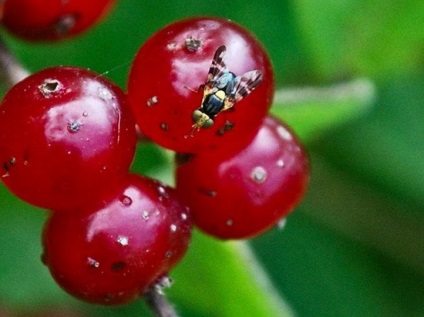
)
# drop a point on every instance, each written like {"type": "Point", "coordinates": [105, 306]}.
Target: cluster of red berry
{"type": "Point", "coordinates": [201, 87]}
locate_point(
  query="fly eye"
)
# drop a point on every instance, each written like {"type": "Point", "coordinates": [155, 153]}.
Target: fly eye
{"type": "Point", "coordinates": [208, 123]}
{"type": "Point", "coordinates": [197, 114]}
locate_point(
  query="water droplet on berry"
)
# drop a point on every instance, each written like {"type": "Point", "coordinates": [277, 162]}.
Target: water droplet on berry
{"type": "Point", "coordinates": [50, 87]}
{"type": "Point", "coordinates": [229, 222]}
{"type": "Point", "coordinates": [145, 215]}
{"type": "Point", "coordinates": [164, 126]}
{"type": "Point", "coordinates": [184, 216]}
{"type": "Point", "coordinates": [280, 163]}
{"type": "Point", "coordinates": [162, 193]}
{"type": "Point", "coordinates": [105, 94]}
{"type": "Point", "coordinates": [65, 24]}
{"type": "Point", "coordinates": [93, 263]}
{"type": "Point", "coordinates": [12, 161]}
{"type": "Point", "coordinates": [168, 254]}
{"type": "Point", "coordinates": [151, 101]}
{"type": "Point", "coordinates": [258, 174]}
{"type": "Point", "coordinates": [171, 46]}
{"type": "Point", "coordinates": [284, 133]}
{"type": "Point", "coordinates": [281, 223]}
{"type": "Point", "coordinates": [117, 266]}
{"type": "Point", "coordinates": [173, 228]}
{"type": "Point", "coordinates": [74, 126]}
{"type": "Point", "coordinates": [125, 200]}
{"type": "Point", "coordinates": [122, 240]}
{"type": "Point", "coordinates": [85, 114]}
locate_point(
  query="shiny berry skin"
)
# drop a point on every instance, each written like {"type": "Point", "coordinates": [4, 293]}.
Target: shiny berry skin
{"type": "Point", "coordinates": [66, 135]}
{"type": "Point", "coordinates": [174, 62]}
{"type": "Point", "coordinates": [244, 194]}
{"type": "Point", "coordinates": [111, 255]}
{"type": "Point", "coordinates": [50, 20]}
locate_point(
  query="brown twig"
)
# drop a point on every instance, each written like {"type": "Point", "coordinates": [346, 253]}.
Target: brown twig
{"type": "Point", "coordinates": [11, 71]}
{"type": "Point", "coordinates": [158, 303]}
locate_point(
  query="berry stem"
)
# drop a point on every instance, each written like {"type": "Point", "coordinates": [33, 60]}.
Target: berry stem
{"type": "Point", "coordinates": [11, 71]}
{"type": "Point", "coordinates": [158, 303]}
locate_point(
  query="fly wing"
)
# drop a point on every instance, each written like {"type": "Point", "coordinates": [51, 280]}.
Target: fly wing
{"type": "Point", "coordinates": [244, 85]}
{"type": "Point", "coordinates": [217, 67]}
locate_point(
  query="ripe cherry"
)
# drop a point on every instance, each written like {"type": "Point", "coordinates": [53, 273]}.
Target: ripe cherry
{"type": "Point", "coordinates": [241, 195]}
{"type": "Point", "coordinates": [164, 81]}
{"type": "Point", "coordinates": [52, 19]}
{"type": "Point", "coordinates": [110, 255]}
{"type": "Point", "coordinates": [66, 135]}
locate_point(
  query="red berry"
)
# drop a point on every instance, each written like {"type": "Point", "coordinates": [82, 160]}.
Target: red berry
{"type": "Point", "coordinates": [174, 62]}
{"type": "Point", "coordinates": [52, 19]}
{"type": "Point", "coordinates": [66, 135]}
{"type": "Point", "coordinates": [242, 195]}
{"type": "Point", "coordinates": [111, 255]}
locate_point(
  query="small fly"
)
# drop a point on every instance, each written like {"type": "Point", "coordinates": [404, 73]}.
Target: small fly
{"type": "Point", "coordinates": [222, 90]}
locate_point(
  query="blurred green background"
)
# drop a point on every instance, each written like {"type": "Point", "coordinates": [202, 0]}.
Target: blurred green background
{"type": "Point", "coordinates": [355, 246]}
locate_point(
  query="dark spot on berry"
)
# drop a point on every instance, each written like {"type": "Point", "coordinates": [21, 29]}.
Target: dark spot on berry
{"type": "Point", "coordinates": [228, 126]}
{"type": "Point", "coordinates": [193, 44]}
{"type": "Point", "coordinates": [207, 192]}
{"type": "Point", "coordinates": [50, 87]}
{"type": "Point", "coordinates": [117, 266]}
{"type": "Point", "coordinates": [182, 158]}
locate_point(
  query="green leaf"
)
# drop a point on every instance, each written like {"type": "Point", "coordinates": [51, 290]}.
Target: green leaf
{"type": "Point", "coordinates": [386, 148]}
{"type": "Point", "coordinates": [373, 38]}
{"type": "Point", "coordinates": [224, 279]}
{"type": "Point", "coordinates": [314, 111]}
{"type": "Point", "coordinates": [323, 272]}
{"type": "Point", "coordinates": [24, 280]}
